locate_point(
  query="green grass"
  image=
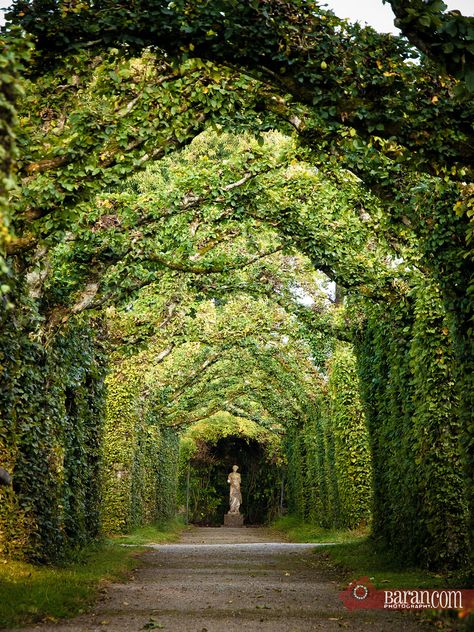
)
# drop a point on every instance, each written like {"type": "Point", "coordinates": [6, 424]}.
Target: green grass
{"type": "Point", "coordinates": [160, 533]}
{"type": "Point", "coordinates": [30, 593]}
{"type": "Point", "coordinates": [363, 557]}
{"type": "Point", "coordinates": [357, 555]}
{"type": "Point", "coordinates": [298, 531]}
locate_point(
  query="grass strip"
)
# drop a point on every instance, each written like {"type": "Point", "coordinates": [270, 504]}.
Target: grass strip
{"type": "Point", "coordinates": [160, 533]}
{"type": "Point", "coordinates": [30, 593]}
{"type": "Point", "coordinates": [298, 531]}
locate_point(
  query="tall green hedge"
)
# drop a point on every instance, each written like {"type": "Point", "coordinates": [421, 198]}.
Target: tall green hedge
{"type": "Point", "coordinates": [139, 458]}
{"type": "Point", "coordinates": [329, 480]}
{"type": "Point", "coordinates": [297, 491]}
{"type": "Point", "coordinates": [407, 372]}
{"type": "Point", "coordinates": [50, 431]}
{"type": "Point", "coordinates": [352, 459]}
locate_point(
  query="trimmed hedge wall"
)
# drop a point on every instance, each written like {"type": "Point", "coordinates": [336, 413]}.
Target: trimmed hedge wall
{"type": "Point", "coordinates": [139, 459]}
{"type": "Point", "coordinates": [50, 432]}
{"type": "Point", "coordinates": [329, 479]}
{"type": "Point", "coordinates": [407, 373]}
{"type": "Point", "coordinates": [352, 459]}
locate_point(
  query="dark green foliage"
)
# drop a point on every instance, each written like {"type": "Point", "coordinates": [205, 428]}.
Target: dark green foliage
{"type": "Point", "coordinates": [443, 36]}
{"type": "Point", "coordinates": [51, 403]}
{"type": "Point", "coordinates": [300, 47]}
{"type": "Point", "coordinates": [407, 371]}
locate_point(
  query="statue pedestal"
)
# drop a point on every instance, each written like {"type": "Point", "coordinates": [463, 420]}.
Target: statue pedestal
{"type": "Point", "coordinates": [233, 520]}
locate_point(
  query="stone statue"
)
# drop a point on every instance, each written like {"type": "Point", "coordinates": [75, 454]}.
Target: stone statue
{"type": "Point", "coordinates": [235, 493]}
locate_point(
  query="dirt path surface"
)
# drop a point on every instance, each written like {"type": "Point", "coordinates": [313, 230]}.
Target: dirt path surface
{"type": "Point", "coordinates": [229, 580]}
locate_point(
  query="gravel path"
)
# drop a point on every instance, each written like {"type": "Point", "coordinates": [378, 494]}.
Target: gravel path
{"type": "Point", "coordinates": [229, 580]}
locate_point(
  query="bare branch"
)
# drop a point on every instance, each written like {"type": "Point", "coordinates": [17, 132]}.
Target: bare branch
{"type": "Point", "coordinates": [86, 297]}
{"type": "Point", "coordinates": [182, 266]}
{"type": "Point", "coordinates": [163, 354]}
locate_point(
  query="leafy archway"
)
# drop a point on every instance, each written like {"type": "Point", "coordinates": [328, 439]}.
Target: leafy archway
{"type": "Point", "coordinates": [370, 184]}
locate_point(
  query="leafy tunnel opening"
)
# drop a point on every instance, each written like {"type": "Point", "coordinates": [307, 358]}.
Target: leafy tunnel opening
{"type": "Point", "coordinates": [206, 459]}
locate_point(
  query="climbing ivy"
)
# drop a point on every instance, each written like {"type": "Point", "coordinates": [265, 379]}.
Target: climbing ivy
{"type": "Point", "coordinates": [407, 369]}
{"type": "Point", "coordinates": [329, 461]}
{"type": "Point", "coordinates": [51, 403]}
{"type": "Point", "coordinates": [139, 458]}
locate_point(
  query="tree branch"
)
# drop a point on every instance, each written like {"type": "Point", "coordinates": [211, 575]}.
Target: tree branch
{"type": "Point", "coordinates": [184, 267]}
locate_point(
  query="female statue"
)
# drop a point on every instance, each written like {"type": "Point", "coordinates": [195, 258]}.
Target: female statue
{"type": "Point", "coordinates": [235, 493]}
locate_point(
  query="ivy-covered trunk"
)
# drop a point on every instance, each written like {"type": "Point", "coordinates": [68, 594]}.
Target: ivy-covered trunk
{"type": "Point", "coordinates": [438, 431]}
{"type": "Point", "coordinates": [351, 442]}
{"type": "Point", "coordinates": [329, 477]}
